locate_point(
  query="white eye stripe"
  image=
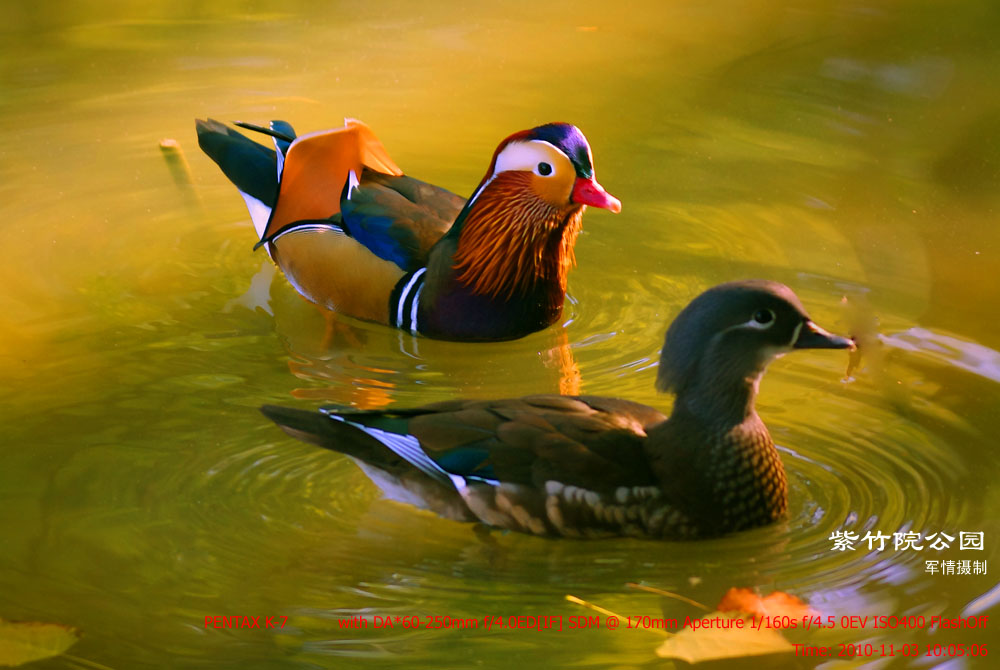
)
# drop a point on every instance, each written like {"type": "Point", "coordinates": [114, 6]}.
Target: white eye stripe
{"type": "Point", "coordinates": [762, 319]}
{"type": "Point", "coordinates": [754, 324]}
{"type": "Point", "coordinates": [525, 156]}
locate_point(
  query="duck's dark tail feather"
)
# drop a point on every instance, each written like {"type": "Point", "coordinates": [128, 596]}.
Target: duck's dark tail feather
{"type": "Point", "coordinates": [331, 431]}
{"type": "Point", "coordinates": [252, 167]}
{"type": "Point", "coordinates": [394, 462]}
{"type": "Point", "coordinates": [316, 428]}
{"type": "Point", "coordinates": [395, 452]}
{"type": "Point", "coordinates": [277, 131]}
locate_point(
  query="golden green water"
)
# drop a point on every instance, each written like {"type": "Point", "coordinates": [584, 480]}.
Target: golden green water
{"type": "Point", "coordinates": [844, 148]}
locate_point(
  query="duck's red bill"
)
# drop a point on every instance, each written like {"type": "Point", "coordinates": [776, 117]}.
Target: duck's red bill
{"type": "Point", "coordinates": [589, 192]}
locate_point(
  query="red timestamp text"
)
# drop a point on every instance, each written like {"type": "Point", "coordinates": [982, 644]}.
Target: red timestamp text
{"type": "Point", "coordinates": [868, 650]}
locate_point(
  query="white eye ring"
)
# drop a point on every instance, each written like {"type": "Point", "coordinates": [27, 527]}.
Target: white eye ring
{"type": "Point", "coordinates": [528, 156]}
{"type": "Point", "coordinates": [762, 319]}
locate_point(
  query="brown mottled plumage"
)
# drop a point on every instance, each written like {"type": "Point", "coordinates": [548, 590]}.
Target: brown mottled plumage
{"type": "Point", "coordinates": [583, 466]}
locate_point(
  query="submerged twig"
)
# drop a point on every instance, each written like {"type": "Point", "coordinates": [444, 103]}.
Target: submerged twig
{"type": "Point", "coordinates": [667, 594]}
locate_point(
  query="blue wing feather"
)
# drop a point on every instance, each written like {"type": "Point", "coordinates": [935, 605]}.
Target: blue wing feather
{"type": "Point", "coordinates": [381, 234]}
{"type": "Point", "coordinates": [466, 461]}
{"type": "Point", "coordinates": [398, 218]}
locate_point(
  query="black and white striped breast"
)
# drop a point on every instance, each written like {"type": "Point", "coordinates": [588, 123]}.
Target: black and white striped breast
{"type": "Point", "coordinates": [404, 301]}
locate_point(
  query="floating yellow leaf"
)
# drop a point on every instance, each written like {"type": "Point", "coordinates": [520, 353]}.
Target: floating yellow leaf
{"type": "Point", "coordinates": [719, 636]}
{"type": "Point", "coordinates": [26, 641]}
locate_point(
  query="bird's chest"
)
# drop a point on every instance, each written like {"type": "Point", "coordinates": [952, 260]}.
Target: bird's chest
{"type": "Point", "coordinates": [460, 313]}
{"type": "Point", "coordinates": [751, 489]}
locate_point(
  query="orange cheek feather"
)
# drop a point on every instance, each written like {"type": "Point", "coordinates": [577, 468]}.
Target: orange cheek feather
{"type": "Point", "coordinates": [556, 190]}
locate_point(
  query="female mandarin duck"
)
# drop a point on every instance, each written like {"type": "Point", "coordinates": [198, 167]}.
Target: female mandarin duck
{"type": "Point", "coordinates": [584, 466]}
{"type": "Point", "coordinates": [355, 235]}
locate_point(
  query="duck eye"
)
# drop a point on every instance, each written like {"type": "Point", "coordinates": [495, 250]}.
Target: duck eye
{"type": "Point", "coordinates": [544, 169]}
{"type": "Point", "coordinates": [763, 317]}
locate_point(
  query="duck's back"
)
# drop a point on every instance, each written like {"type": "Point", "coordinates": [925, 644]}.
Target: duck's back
{"type": "Point", "coordinates": [399, 218]}
{"type": "Point", "coordinates": [334, 211]}
{"type": "Point", "coordinates": [547, 464]}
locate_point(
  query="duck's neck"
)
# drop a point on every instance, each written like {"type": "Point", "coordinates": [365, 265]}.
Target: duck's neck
{"type": "Point", "coordinates": [721, 397]}
{"type": "Point", "coordinates": [501, 272]}
{"type": "Point", "coordinates": [511, 241]}
{"type": "Point", "coordinates": [717, 455]}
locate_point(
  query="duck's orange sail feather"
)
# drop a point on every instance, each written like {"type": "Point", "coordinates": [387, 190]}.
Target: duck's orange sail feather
{"type": "Point", "coordinates": [317, 167]}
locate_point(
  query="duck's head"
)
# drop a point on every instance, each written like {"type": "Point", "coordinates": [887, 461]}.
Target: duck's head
{"type": "Point", "coordinates": [553, 162]}
{"type": "Point", "coordinates": [517, 231]}
{"type": "Point", "coordinates": [728, 334]}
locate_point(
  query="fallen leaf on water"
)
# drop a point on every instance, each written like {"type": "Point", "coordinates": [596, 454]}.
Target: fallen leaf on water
{"type": "Point", "coordinates": [777, 603]}
{"type": "Point", "coordinates": [26, 641]}
{"type": "Point", "coordinates": [705, 643]}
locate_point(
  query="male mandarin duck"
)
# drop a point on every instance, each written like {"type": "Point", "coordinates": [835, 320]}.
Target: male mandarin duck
{"type": "Point", "coordinates": [585, 466]}
{"type": "Point", "coordinates": [353, 234]}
